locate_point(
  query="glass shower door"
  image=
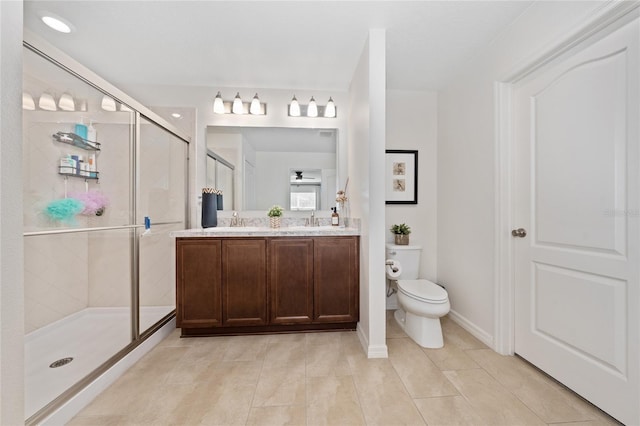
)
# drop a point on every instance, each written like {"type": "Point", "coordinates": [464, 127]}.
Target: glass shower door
{"type": "Point", "coordinates": [162, 194]}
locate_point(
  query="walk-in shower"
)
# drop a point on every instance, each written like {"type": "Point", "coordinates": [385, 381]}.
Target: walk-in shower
{"type": "Point", "coordinates": [98, 278]}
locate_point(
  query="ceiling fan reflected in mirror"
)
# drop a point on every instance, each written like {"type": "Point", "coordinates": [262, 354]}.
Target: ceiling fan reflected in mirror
{"type": "Point", "coordinates": [300, 177]}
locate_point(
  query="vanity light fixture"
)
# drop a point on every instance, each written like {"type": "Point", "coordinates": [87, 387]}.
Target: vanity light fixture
{"type": "Point", "coordinates": [47, 103]}
{"type": "Point", "coordinates": [294, 107]}
{"type": "Point", "coordinates": [27, 102]}
{"type": "Point", "coordinates": [176, 115]}
{"type": "Point", "coordinates": [237, 106]}
{"type": "Point", "coordinates": [330, 109]}
{"type": "Point", "coordinates": [312, 110]}
{"type": "Point", "coordinates": [218, 104]}
{"type": "Point", "coordinates": [255, 105]}
{"type": "Point", "coordinates": [108, 103]}
{"type": "Point", "coordinates": [66, 102]}
{"type": "Point", "coordinates": [125, 108]}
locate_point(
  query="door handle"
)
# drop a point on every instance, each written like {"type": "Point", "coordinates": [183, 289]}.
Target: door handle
{"type": "Point", "coordinates": [520, 232]}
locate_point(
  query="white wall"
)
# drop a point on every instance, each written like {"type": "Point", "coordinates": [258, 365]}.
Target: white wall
{"type": "Point", "coordinates": [11, 267]}
{"type": "Point", "coordinates": [412, 125]}
{"type": "Point", "coordinates": [466, 159]}
{"type": "Point", "coordinates": [366, 159]}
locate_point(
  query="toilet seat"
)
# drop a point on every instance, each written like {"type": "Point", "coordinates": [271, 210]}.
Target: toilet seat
{"type": "Point", "coordinates": [423, 290]}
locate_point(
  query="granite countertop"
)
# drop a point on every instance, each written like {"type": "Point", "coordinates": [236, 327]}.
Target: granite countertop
{"type": "Point", "coordinates": [263, 231]}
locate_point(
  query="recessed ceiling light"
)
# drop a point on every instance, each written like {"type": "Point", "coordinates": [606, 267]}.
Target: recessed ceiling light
{"type": "Point", "coordinates": [57, 24]}
{"type": "Point", "coordinates": [176, 115]}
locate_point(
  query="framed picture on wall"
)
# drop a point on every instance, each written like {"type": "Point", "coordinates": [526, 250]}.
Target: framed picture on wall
{"type": "Point", "coordinates": [401, 176]}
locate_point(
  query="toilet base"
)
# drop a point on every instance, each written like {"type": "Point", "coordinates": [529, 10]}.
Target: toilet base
{"type": "Point", "coordinates": [426, 332]}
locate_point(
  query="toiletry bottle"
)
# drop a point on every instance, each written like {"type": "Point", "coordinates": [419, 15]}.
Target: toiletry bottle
{"type": "Point", "coordinates": [81, 129]}
{"type": "Point", "coordinates": [335, 217]}
{"type": "Point", "coordinates": [91, 132]}
{"type": "Point", "coordinates": [92, 166]}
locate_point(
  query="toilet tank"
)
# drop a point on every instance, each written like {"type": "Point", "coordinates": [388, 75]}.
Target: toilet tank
{"type": "Point", "coordinates": [409, 258]}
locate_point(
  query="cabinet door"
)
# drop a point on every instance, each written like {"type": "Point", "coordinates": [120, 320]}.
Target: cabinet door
{"type": "Point", "coordinates": [244, 282]}
{"type": "Point", "coordinates": [198, 281]}
{"type": "Point", "coordinates": [291, 280]}
{"type": "Point", "coordinates": [336, 276]}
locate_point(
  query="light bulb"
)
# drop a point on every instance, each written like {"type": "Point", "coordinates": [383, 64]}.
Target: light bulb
{"type": "Point", "coordinates": [330, 109]}
{"type": "Point", "coordinates": [27, 102]}
{"type": "Point", "coordinates": [47, 103]}
{"type": "Point", "coordinates": [312, 108]}
{"type": "Point", "coordinates": [218, 104]}
{"type": "Point", "coordinates": [294, 107]}
{"type": "Point", "coordinates": [237, 107]}
{"type": "Point", "coordinates": [255, 105]}
{"type": "Point", "coordinates": [66, 102]}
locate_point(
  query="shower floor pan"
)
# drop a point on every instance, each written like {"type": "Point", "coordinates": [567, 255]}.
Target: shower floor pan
{"type": "Point", "coordinates": [90, 337]}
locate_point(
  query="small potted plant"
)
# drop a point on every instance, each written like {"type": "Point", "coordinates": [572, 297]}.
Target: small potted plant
{"type": "Point", "coordinates": [275, 213]}
{"type": "Point", "coordinates": [401, 233]}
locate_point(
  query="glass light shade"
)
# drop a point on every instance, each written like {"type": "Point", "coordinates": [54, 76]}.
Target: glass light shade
{"type": "Point", "coordinates": [312, 108]}
{"type": "Point", "coordinates": [218, 104]}
{"type": "Point", "coordinates": [330, 109]}
{"type": "Point", "coordinates": [108, 104]}
{"type": "Point", "coordinates": [28, 102]}
{"type": "Point", "coordinates": [47, 103]}
{"type": "Point", "coordinates": [125, 108]}
{"type": "Point", "coordinates": [294, 108]}
{"type": "Point", "coordinates": [237, 107]}
{"type": "Point", "coordinates": [255, 105]}
{"type": "Point", "coordinates": [66, 102]}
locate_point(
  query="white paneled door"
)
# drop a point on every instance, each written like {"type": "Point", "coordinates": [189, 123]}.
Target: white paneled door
{"type": "Point", "coordinates": [576, 242]}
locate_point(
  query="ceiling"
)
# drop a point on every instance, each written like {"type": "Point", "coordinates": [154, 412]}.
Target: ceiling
{"type": "Point", "coordinates": [301, 44]}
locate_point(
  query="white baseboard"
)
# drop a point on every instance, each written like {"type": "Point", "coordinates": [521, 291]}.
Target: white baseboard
{"type": "Point", "coordinates": [372, 351]}
{"type": "Point", "coordinates": [476, 331]}
{"type": "Point", "coordinates": [72, 407]}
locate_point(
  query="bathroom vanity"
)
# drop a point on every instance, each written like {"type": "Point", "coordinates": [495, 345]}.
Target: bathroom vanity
{"type": "Point", "coordinates": [261, 280]}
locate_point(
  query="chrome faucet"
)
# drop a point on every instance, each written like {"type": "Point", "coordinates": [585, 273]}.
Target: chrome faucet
{"type": "Point", "coordinates": [235, 219]}
{"type": "Point", "coordinates": [312, 221]}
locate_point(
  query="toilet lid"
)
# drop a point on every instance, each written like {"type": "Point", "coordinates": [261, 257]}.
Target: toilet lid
{"type": "Point", "coordinates": [424, 290]}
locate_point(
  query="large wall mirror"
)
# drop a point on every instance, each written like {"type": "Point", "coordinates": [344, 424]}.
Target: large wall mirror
{"type": "Point", "coordinates": [257, 167]}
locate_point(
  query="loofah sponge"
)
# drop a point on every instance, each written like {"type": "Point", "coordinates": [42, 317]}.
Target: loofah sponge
{"type": "Point", "coordinates": [94, 202]}
{"type": "Point", "coordinates": [64, 210]}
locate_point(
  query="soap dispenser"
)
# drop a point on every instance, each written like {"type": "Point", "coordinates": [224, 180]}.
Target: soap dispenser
{"type": "Point", "coordinates": [81, 129]}
{"type": "Point", "coordinates": [91, 132]}
{"type": "Point", "coordinates": [335, 217]}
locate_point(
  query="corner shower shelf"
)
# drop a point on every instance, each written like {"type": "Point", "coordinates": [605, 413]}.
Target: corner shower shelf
{"type": "Point", "coordinates": [77, 141]}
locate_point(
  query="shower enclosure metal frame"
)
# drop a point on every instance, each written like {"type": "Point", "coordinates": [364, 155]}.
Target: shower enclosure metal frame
{"type": "Point", "coordinates": [141, 112]}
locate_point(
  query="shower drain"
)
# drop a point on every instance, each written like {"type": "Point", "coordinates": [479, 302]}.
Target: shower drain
{"type": "Point", "coordinates": [61, 362]}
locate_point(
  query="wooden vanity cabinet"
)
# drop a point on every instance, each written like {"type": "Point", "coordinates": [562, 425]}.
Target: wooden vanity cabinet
{"type": "Point", "coordinates": [244, 282]}
{"type": "Point", "coordinates": [240, 285]}
{"type": "Point", "coordinates": [291, 280]}
{"type": "Point", "coordinates": [336, 275]}
{"type": "Point", "coordinates": [198, 283]}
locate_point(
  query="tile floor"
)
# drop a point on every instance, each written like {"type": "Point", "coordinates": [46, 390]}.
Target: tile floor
{"type": "Point", "coordinates": [325, 379]}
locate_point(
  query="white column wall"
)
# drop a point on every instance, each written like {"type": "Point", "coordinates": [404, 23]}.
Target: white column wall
{"type": "Point", "coordinates": [11, 252]}
{"type": "Point", "coordinates": [366, 159]}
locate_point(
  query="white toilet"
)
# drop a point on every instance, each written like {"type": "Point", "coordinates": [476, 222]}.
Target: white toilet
{"type": "Point", "coordinates": [422, 302]}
